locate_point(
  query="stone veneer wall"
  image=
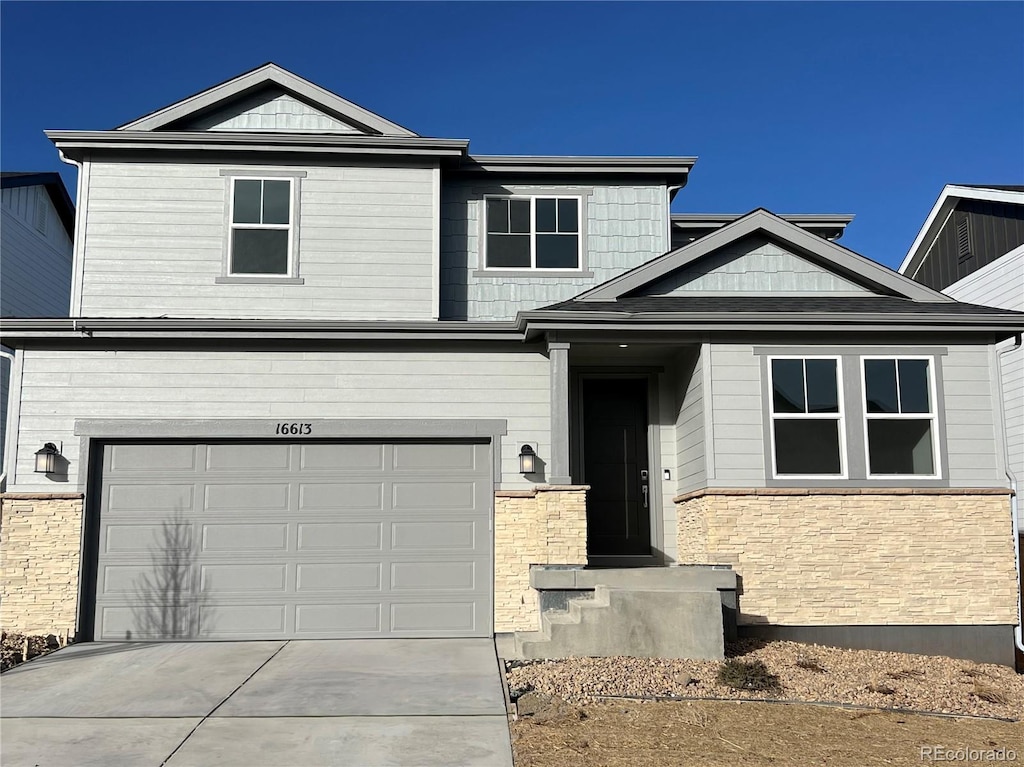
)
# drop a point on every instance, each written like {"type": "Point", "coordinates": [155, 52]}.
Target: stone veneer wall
{"type": "Point", "coordinates": [858, 557]}
{"type": "Point", "coordinates": [40, 545]}
{"type": "Point", "coordinates": [543, 526]}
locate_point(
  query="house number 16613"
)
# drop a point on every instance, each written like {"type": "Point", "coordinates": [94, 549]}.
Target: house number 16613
{"type": "Point", "coordinates": [294, 428]}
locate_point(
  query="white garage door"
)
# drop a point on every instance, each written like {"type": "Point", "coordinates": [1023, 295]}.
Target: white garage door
{"type": "Point", "coordinates": [305, 540]}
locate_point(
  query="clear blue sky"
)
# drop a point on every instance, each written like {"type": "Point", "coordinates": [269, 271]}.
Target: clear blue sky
{"type": "Point", "coordinates": [865, 108]}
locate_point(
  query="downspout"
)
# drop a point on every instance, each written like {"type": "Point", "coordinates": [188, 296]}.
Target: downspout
{"type": "Point", "coordinates": [77, 239]}
{"type": "Point", "coordinates": [1018, 630]}
{"type": "Point", "coordinates": [671, 190]}
{"type": "Point", "coordinates": [10, 401]}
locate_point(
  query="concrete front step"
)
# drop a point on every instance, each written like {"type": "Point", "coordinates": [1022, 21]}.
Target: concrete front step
{"type": "Point", "coordinates": [643, 623]}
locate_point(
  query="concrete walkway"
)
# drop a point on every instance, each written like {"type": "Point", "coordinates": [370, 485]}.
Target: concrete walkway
{"type": "Point", "coordinates": [416, 702]}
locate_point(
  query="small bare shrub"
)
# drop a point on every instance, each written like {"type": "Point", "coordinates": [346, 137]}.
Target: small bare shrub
{"type": "Point", "coordinates": [810, 663]}
{"type": "Point", "coordinates": [990, 693]}
{"type": "Point", "coordinates": [747, 675]}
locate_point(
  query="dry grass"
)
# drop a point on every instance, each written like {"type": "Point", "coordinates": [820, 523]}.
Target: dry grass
{"type": "Point", "coordinates": [717, 734]}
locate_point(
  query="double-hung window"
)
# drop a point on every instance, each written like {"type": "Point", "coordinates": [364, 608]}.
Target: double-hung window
{"type": "Point", "coordinates": [533, 233]}
{"type": "Point", "coordinates": [900, 416]}
{"type": "Point", "coordinates": [261, 227]}
{"type": "Point", "coordinates": [807, 431]}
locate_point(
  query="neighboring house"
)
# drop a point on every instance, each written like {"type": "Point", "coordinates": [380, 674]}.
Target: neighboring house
{"type": "Point", "coordinates": [37, 226]}
{"type": "Point", "coordinates": [971, 247]}
{"type": "Point", "coordinates": [325, 377]}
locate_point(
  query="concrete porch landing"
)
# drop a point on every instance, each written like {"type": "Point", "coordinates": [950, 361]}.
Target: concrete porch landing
{"type": "Point", "coordinates": [655, 612]}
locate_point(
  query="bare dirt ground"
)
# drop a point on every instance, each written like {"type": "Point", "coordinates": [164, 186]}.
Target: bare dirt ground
{"type": "Point", "coordinates": [719, 734]}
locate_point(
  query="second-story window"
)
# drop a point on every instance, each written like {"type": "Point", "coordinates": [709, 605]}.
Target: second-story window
{"type": "Point", "coordinates": [261, 226]}
{"type": "Point", "coordinates": [532, 233]}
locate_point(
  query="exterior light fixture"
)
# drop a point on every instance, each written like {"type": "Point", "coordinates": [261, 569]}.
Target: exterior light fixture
{"type": "Point", "coordinates": [46, 459]}
{"type": "Point", "coordinates": [623, 346]}
{"type": "Point", "coordinates": [527, 460]}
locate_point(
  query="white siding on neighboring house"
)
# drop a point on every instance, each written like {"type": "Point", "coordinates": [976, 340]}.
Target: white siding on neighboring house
{"type": "Point", "coordinates": [737, 417]}
{"type": "Point", "coordinates": [1001, 284]}
{"type": "Point", "coordinates": [625, 226]}
{"type": "Point", "coordinates": [35, 267]}
{"type": "Point", "coordinates": [155, 239]}
{"type": "Point", "coordinates": [61, 386]}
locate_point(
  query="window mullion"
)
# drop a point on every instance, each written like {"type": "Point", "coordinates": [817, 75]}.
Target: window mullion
{"type": "Point", "coordinates": [533, 232]}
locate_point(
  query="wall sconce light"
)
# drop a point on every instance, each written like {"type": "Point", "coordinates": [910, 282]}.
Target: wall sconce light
{"type": "Point", "coordinates": [527, 460]}
{"type": "Point", "coordinates": [46, 459]}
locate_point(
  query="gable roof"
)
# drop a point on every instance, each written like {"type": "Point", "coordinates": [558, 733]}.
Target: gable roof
{"type": "Point", "coordinates": [55, 188]}
{"type": "Point", "coordinates": [267, 75]}
{"type": "Point", "coordinates": [836, 258]}
{"type": "Point", "coordinates": [949, 197]}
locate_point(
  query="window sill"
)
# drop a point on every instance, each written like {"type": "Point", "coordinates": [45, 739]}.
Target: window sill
{"type": "Point", "coordinates": [548, 273]}
{"type": "Point", "coordinates": [267, 280]}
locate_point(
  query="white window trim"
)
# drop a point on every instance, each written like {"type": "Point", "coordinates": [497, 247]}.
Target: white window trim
{"type": "Point", "coordinates": [580, 210]}
{"type": "Point", "coordinates": [932, 415]}
{"type": "Point", "coordinates": [295, 177]}
{"type": "Point", "coordinates": [840, 416]}
{"type": "Point", "coordinates": [289, 227]}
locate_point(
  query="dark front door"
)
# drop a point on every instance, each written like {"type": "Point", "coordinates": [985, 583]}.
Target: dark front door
{"type": "Point", "coordinates": [615, 466]}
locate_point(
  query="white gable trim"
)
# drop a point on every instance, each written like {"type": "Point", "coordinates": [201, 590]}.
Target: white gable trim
{"type": "Point", "coordinates": [945, 204]}
{"type": "Point", "coordinates": [270, 74]}
{"type": "Point", "coordinates": [845, 262]}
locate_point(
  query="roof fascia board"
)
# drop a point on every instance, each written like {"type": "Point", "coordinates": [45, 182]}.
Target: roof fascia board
{"type": "Point", "coordinates": [661, 166]}
{"type": "Point", "coordinates": [264, 75]}
{"type": "Point", "coordinates": [844, 260]}
{"type": "Point", "coordinates": [72, 142]}
{"type": "Point", "coordinates": [940, 212]}
{"type": "Point", "coordinates": [700, 220]}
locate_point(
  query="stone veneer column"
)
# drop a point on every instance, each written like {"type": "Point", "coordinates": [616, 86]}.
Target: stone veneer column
{"type": "Point", "coordinates": [40, 552]}
{"type": "Point", "coordinates": [543, 526]}
{"type": "Point", "coordinates": [827, 556]}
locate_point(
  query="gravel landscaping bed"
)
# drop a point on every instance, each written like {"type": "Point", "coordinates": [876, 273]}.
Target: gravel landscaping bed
{"type": "Point", "coordinates": [809, 673]}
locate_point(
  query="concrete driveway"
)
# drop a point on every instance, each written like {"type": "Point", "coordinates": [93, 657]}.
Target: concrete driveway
{"type": "Point", "coordinates": [419, 702]}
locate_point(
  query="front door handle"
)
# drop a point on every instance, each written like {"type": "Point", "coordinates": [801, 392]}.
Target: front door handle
{"type": "Point", "coordinates": [643, 489]}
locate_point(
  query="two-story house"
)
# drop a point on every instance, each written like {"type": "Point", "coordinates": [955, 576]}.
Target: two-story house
{"type": "Point", "coordinates": [325, 377]}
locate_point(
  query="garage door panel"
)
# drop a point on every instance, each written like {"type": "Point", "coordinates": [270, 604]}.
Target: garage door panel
{"type": "Point", "coordinates": [147, 458]}
{"type": "Point", "coordinates": [336, 577]}
{"type": "Point", "coordinates": [433, 576]}
{"type": "Point", "coordinates": [419, 496]}
{"type": "Point", "coordinates": [434, 457]}
{"type": "Point", "coordinates": [437, 618]}
{"type": "Point", "coordinates": [243, 537]}
{"type": "Point", "coordinates": [334, 496]}
{"type": "Point", "coordinates": [223, 621]}
{"type": "Point", "coordinates": [338, 620]}
{"type": "Point", "coordinates": [149, 498]}
{"type": "Point", "coordinates": [342, 458]}
{"type": "Point", "coordinates": [435, 535]}
{"type": "Point", "coordinates": [278, 540]}
{"type": "Point", "coordinates": [247, 458]}
{"type": "Point", "coordinates": [132, 539]}
{"type": "Point", "coordinates": [340, 536]}
{"type": "Point", "coordinates": [247, 497]}
{"type": "Point", "coordinates": [242, 577]}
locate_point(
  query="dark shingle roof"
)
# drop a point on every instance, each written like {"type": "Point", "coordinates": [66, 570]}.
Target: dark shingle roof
{"type": "Point", "coordinates": [814, 304]}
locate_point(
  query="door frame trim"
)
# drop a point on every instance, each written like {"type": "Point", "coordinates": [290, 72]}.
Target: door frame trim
{"type": "Point", "coordinates": [650, 374]}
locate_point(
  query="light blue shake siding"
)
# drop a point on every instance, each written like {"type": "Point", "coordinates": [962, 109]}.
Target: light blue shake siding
{"type": "Point", "coordinates": [155, 237]}
{"type": "Point", "coordinates": [625, 227]}
{"type": "Point", "coordinates": [736, 437]}
{"type": "Point", "coordinates": [61, 386]}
